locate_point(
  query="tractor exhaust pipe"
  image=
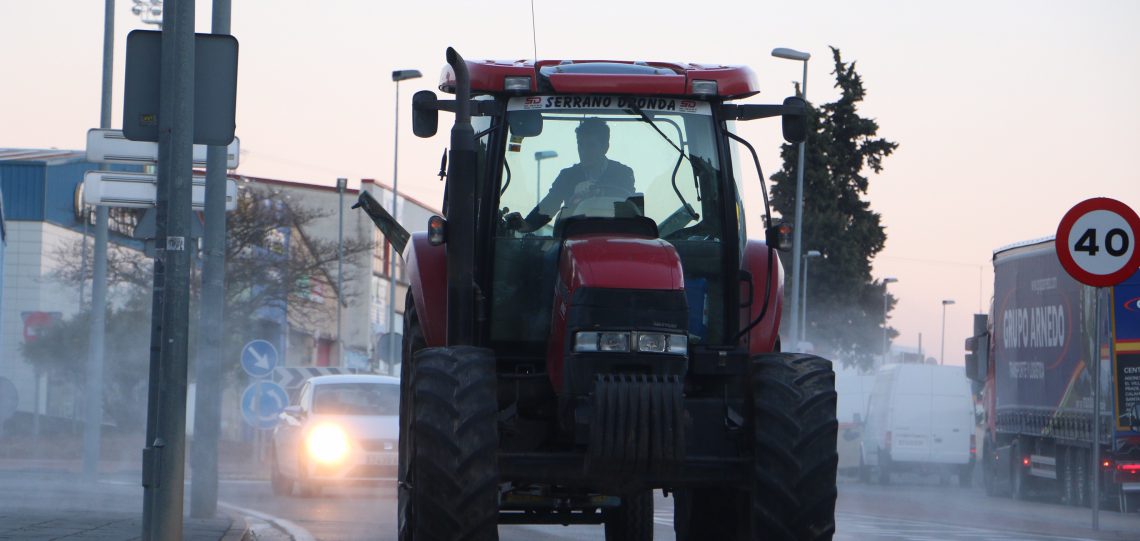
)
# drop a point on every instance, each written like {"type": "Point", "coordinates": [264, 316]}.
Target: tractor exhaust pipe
{"type": "Point", "coordinates": [461, 212]}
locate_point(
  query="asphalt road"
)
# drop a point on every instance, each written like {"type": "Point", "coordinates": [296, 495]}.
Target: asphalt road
{"type": "Point", "coordinates": [911, 509]}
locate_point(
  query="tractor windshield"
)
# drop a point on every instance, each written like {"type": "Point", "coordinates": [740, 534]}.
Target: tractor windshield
{"type": "Point", "coordinates": [604, 157]}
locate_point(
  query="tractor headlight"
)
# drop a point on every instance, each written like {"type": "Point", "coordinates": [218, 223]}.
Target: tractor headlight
{"type": "Point", "coordinates": [621, 342]}
{"type": "Point", "coordinates": [327, 444]}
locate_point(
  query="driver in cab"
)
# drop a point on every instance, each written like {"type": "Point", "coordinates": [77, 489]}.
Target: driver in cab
{"type": "Point", "coordinates": [594, 175]}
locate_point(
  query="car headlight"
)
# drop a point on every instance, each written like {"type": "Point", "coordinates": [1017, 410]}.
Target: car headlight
{"type": "Point", "coordinates": [327, 444]}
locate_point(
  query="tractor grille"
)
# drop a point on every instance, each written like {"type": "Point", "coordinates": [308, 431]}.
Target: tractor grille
{"type": "Point", "coordinates": [637, 423]}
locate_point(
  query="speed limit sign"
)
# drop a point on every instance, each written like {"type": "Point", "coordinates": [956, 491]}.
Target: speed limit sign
{"type": "Point", "coordinates": [1096, 242]}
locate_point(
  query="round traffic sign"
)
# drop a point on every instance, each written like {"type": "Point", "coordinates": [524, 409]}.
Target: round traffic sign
{"type": "Point", "coordinates": [261, 402]}
{"type": "Point", "coordinates": [259, 358]}
{"type": "Point", "coordinates": [1096, 242]}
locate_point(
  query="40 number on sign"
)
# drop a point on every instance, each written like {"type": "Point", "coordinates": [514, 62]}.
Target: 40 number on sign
{"type": "Point", "coordinates": [1096, 242]}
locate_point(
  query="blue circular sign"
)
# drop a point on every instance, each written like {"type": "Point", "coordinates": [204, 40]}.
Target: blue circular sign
{"type": "Point", "coordinates": [259, 358]}
{"type": "Point", "coordinates": [262, 402]}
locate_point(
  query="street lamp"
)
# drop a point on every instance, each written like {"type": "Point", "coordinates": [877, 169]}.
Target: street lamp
{"type": "Point", "coordinates": [887, 280]}
{"type": "Point", "coordinates": [942, 353]}
{"type": "Point", "coordinates": [538, 157]}
{"type": "Point", "coordinates": [797, 227]}
{"type": "Point", "coordinates": [803, 305]}
{"type": "Point", "coordinates": [397, 76]}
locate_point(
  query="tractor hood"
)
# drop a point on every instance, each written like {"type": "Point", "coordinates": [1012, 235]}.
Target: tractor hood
{"type": "Point", "coordinates": [610, 262]}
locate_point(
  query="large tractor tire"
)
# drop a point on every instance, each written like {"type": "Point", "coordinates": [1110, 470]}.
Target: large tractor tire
{"type": "Point", "coordinates": [795, 430]}
{"type": "Point", "coordinates": [633, 520]}
{"type": "Point", "coordinates": [448, 442]}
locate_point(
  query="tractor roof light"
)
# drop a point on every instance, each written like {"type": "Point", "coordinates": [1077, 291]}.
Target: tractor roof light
{"type": "Point", "coordinates": [516, 84]}
{"type": "Point", "coordinates": [437, 230]}
{"type": "Point", "coordinates": [704, 88]}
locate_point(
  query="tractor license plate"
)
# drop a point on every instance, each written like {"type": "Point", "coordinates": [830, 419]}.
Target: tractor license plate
{"type": "Point", "coordinates": [381, 459]}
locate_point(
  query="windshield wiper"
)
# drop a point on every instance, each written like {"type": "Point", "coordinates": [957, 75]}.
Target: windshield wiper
{"type": "Point", "coordinates": [680, 157]}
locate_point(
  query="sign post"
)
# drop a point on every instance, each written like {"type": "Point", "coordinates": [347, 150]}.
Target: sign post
{"type": "Point", "coordinates": [1096, 243]}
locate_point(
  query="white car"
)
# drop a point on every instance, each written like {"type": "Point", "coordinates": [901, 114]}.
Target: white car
{"type": "Point", "coordinates": [343, 429]}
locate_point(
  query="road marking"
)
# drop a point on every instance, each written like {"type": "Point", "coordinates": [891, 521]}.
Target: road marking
{"type": "Point", "coordinates": [296, 532]}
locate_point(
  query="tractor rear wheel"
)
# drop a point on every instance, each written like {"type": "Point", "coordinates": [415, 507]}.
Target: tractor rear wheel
{"type": "Point", "coordinates": [633, 520]}
{"type": "Point", "coordinates": [451, 476]}
{"type": "Point", "coordinates": [795, 460]}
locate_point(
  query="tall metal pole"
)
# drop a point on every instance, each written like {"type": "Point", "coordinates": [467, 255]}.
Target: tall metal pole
{"type": "Point", "coordinates": [175, 160]}
{"type": "Point", "coordinates": [1096, 418]}
{"type": "Point", "coordinates": [803, 303]}
{"type": "Point", "coordinates": [397, 76]}
{"type": "Point", "coordinates": [92, 430]}
{"type": "Point", "coordinates": [341, 184]}
{"type": "Point", "coordinates": [797, 232]}
{"type": "Point", "coordinates": [211, 327]}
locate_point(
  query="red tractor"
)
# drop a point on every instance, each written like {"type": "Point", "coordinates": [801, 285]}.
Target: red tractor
{"type": "Point", "coordinates": [589, 322]}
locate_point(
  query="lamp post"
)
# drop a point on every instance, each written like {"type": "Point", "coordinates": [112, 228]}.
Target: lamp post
{"type": "Point", "coordinates": [803, 304]}
{"type": "Point", "coordinates": [341, 184]}
{"type": "Point", "coordinates": [397, 76]}
{"type": "Point", "coordinates": [797, 227]}
{"type": "Point", "coordinates": [150, 11]}
{"type": "Point", "coordinates": [538, 157]}
{"type": "Point", "coordinates": [886, 281]}
{"type": "Point", "coordinates": [942, 352]}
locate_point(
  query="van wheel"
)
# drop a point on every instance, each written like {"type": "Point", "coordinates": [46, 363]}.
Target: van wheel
{"type": "Point", "coordinates": [884, 469]}
{"type": "Point", "coordinates": [966, 476]}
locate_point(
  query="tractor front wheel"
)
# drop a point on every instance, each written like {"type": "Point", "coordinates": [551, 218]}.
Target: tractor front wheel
{"type": "Point", "coordinates": [451, 478]}
{"type": "Point", "coordinates": [795, 460]}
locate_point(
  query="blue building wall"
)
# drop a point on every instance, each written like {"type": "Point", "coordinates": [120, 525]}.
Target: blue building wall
{"type": "Point", "coordinates": [45, 190]}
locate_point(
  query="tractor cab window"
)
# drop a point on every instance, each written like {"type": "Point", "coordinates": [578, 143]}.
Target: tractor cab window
{"type": "Point", "coordinates": [603, 157]}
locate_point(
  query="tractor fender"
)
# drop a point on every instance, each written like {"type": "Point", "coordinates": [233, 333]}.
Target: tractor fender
{"type": "Point", "coordinates": [427, 277]}
{"type": "Point", "coordinates": [759, 261]}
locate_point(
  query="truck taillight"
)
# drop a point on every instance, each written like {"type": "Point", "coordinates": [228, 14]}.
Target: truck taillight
{"type": "Point", "coordinates": [1025, 461]}
{"type": "Point", "coordinates": [1132, 468]}
{"type": "Point", "coordinates": [1106, 464]}
{"type": "Point", "coordinates": [973, 444]}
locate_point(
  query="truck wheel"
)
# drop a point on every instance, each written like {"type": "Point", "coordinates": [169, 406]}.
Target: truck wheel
{"type": "Point", "coordinates": [1017, 476]}
{"type": "Point", "coordinates": [412, 343]}
{"type": "Point", "coordinates": [864, 470]}
{"type": "Point", "coordinates": [452, 476]}
{"type": "Point", "coordinates": [989, 474]}
{"type": "Point", "coordinates": [1081, 476]}
{"type": "Point", "coordinates": [794, 451]}
{"type": "Point", "coordinates": [1067, 477]}
{"type": "Point", "coordinates": [633, 520]}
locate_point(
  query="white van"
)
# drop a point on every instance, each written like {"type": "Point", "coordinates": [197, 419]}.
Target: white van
{"type": "Point", "coordinates": [920, 418]}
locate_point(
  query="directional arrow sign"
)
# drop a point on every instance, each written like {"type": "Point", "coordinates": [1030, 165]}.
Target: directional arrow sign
{"type": "Point", "coordinates": [262, 402]}
{"type": "Point", "coordinates": [259, 358]}
{"type": "Point", "coordinates": [139, 190]}
{"type": "Point", "coordinates": [110, 146]}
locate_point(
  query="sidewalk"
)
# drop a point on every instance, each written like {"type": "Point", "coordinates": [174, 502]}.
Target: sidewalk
{"type": "Point", "coordinates": [38, 506]}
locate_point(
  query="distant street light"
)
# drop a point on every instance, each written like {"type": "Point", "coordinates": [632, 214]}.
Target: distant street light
{"type": "Point", "coordinates": [538, 157]}
{"type": "Point", "coordinates": [150, 11]}
{"type": "Point", "coordinates": [803, 306]}
{"type": "Point", "coordinates": [887, 280]}
{"type": "Point", "coordinates": [797, 227]}
{"type": "Point", "coordinates": [942, 353]}
{"type": "Point", "coordinates": [397, 76]}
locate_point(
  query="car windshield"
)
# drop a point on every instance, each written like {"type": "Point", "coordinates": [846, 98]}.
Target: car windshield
{"type": "Point", "coordinates": [356, 399]}
{"type": "Point", "coordinates": [612, 156]}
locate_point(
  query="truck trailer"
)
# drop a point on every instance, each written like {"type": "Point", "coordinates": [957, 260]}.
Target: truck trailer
{"type": "Point", "coordinates": [1034, 356]}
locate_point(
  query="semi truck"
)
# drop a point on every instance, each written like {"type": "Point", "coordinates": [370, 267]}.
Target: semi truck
{"type": "Point", "coordinates": [1035, 356]}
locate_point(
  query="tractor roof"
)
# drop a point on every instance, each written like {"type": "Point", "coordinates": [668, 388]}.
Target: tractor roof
{"type": "Point", "coordinates": [606, 77]}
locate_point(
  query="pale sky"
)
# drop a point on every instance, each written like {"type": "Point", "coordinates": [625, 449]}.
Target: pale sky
{"type": "Point", "coordinates": [1007, 113]}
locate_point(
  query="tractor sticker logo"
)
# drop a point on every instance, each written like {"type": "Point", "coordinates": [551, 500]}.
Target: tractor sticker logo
{"type": "Point", "coordinates": [617, 103]}
{"type": "Point", "coordinates": [533, 102]}
{"type": "Point", "coordinates": [688, 106]}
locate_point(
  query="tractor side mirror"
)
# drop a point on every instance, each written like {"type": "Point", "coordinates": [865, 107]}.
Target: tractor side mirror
{"type": "Point", "coordinates": [526, 123]}
{"type": "Point", "coordinates": [795, 124]}
{"type": "Point", "coordinates": [779, 236]}
{"type": "Point", "coordinates": [425, 114]}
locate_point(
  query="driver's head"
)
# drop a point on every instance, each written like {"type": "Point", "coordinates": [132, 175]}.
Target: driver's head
{"type": "Point", "coordinates": [593, 140]}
